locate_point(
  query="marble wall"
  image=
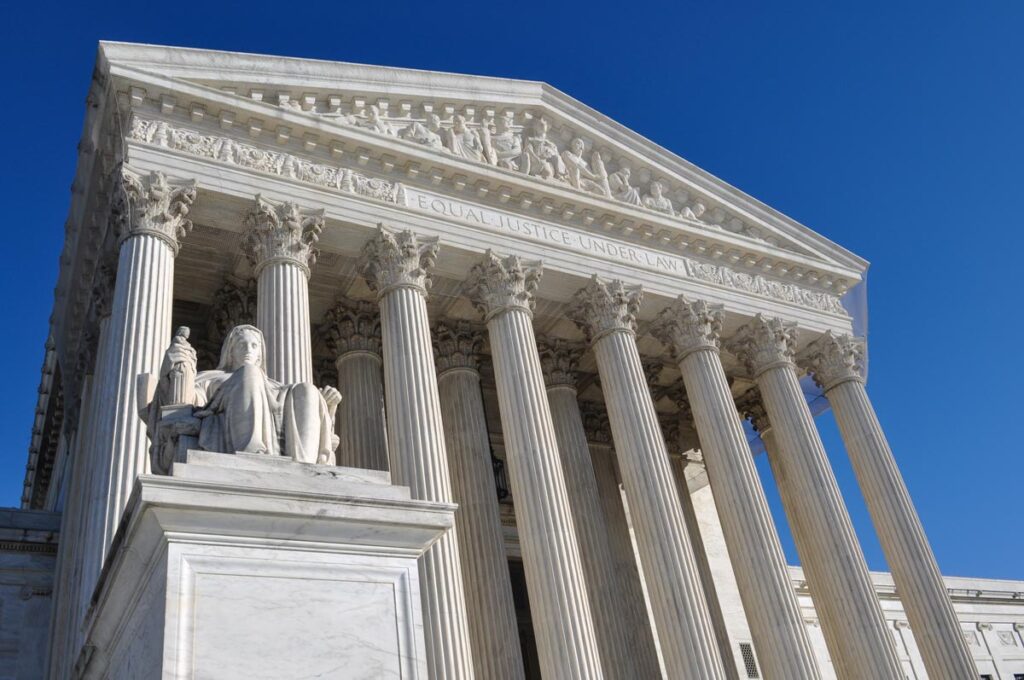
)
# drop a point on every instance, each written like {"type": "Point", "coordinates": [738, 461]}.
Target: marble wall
{"type": "Point", "coordinates": [28, 555]}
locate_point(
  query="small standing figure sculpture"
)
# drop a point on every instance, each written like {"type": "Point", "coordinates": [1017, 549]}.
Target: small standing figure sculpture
{"type": "Point", "coordinates": [235, 407]}
{"type": "Point", "coordinates": [180, 385]}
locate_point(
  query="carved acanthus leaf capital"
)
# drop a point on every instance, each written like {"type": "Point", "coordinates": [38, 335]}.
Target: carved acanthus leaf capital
{"type": "Point", "coordinates": [457, 344]}
{"type": "Point", "coordinates": [751, 407]}
{"type": "Point", "coordinates": [602, 307]}
{"type": "Point", "coordinates": [352, 326]}
{"type": "Point", "coordinates": [397, 259]}
{"type": "Point", "coordinates": [233, 305]}
{"type": "Point", "coordinates": [281, 232]}
{"type": "Point", "coordinates": [595, 422]}
{"type": "Point", "coordinates": [152, 204]}
{"type": "Point", "coordinates": [559, 359]}
{"type": "Point", "coordinates": [834, 359]}
{"type": "Point", "coordinates": [764, 343]}
{"type": "Point", "coordinates": [686, 327]}
{"type": "Point", "coordinates": [498, 284]}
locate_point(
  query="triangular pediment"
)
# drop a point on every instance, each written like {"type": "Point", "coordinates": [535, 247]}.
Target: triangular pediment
{"type": "Point", "coordinates": [524, 129]}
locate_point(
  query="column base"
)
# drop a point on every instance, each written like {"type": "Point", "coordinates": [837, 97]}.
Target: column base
{"type": "Point", "coordinates": [249, 567]}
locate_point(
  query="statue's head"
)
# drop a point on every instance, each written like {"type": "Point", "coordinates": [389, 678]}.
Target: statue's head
{"type": "Point", "coordinates": [244, 345]}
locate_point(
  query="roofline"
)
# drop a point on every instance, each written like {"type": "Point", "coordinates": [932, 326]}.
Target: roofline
{"type": "Point", "coordinates": [329, 72]}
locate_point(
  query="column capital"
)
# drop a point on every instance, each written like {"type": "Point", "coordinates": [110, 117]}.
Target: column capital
{"type": "Point", "coordinates": [560, 359]}
{"type": "Point", "coordinates": [603, 307]}
{"type": "Point", "coordinates": [498, 284]}
{"type": "Point", "coordinates": [595, 422]}
{"type": "Point", "coordinates": [686, 327]}
{"type": "Point", "coordinates": [397, 259]}
{"type": "Point", "coordinates": [152, 204]}
{"type": "Point", "coordinates": [234, 304]}
{"type": "Point", "coordinates": [281, 232]}
{"type": "Point", "coordinates": [765, 342]}
{"type": "Point", "coordinates": [750, 405]}
{"type": "Point", "coordinates": [834, 359]}
{"type": "Point", "coordinates": [457, 345]}
{"type": "Point", "coordinates": [352, 326]}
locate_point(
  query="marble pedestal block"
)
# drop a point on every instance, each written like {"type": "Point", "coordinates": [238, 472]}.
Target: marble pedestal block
{"type": "Point", "coordinates": [249, 567]}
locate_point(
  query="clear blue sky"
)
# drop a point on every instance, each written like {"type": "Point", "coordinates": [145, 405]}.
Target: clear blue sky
{"type": "Point", "coordinates": [895, 129]}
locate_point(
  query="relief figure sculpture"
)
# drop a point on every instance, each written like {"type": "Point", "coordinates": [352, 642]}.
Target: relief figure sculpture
{"type": "Point", "coordinates": [540, 155]}
{"type": "Point", "coordinates": [465, 142]}
{"type": "Point", "coordinates": [621, 189]}
{"type": "Point", "coordinates": [236, 407]}
{"type": "Point", "coordinates": [581, 175]}
{"type": "Point", "coordinates": [657, 200]}
{"type": "Point", "coordinates": [428, 135]}
{"type": "Point", "coordinates": [507, 145]}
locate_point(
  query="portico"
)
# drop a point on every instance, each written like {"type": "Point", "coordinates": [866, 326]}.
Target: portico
{"type": "Point", "coordinates": [418, 271]}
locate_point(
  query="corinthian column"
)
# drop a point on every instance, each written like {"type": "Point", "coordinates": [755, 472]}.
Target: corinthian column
{"type": "Point", "coordinates": [395, 265]}
{"type": "Point", "coordinates": [502, 289]}
{"type": "Point", "coordinates": [279, 241]}
{"type": "Point", "coordinates": [859, 642]}
{"type": "Point", "coordinates": [607, 314]}
{"type": "Point", "coordinates": [489, 604]}
{"type": "Point", "coordinates": [634, 612]}
{"type": "Point", "coordinates": [836, 364]}
{"type": "Point", "coordinates": [352, 334]}
{"type": "Point", "coordinates": [150, 213]}
{"type": "Point", "coordinates": [692, 331]}
{"type": "Point", "coordinates": [559, 361]}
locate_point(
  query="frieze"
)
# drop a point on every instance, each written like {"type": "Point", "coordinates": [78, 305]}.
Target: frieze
{"type": "Point", "coordinates": [227, 150]}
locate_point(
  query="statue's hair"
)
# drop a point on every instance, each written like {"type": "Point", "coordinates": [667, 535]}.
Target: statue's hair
{"type": "Point", "coordinates": [229, 342]}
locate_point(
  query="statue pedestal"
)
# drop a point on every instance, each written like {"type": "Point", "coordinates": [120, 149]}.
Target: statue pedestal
{"type": "Point", "coordinates": [250, 567]}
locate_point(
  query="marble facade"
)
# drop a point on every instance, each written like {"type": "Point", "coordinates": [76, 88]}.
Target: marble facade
{"type": "Point", "coordinates": [491, 298]}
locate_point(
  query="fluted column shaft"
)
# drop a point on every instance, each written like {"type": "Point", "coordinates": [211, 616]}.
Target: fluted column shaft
{"type": "Point", "coordinates": [566, 643]}
{"type": "Point", "coordinates": [360, 416]}
{"type": "Point", "coordinates": [680, 610]}
{"type": "Point", "coordinates": [618, 660]}
{"type": "Point", "coordinates": [395, 265]}
{"type": "Point", "coordinates": [280, 240]}
{"type": "Point", "coordinates": [97, 475]}
{"type": "Point", "coordinates": [859, 642]}
{"type": "Point", "coordinates": [352, 333]}
{"type": "Point", "coordinates": [634, 607]}
{"type": "Point", "coordinates": [691, 329]}
{"type": "Point", "coordinates": [490, 607]}
{"type": "Point", "coordinates": [282, 313]}
{"type": "Point", "coordinates": [607, 313]}
{"type": "Point", "coordinates": [140, 332]}
{"type": "Point", "coordinates": [707, 575]}
{"type": "Point", "coordinates": [835, 363]}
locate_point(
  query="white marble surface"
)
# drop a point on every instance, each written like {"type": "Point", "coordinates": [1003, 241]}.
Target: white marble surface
{"type": "Point", "coordinates": [244, 566]}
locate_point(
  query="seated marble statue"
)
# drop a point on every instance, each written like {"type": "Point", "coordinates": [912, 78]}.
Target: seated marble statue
{"type": "Point", "coordinates": [237, 407]}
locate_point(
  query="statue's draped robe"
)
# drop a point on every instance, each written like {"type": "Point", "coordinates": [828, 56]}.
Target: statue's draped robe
{"type": "Point", "coordinates": [251, 413]}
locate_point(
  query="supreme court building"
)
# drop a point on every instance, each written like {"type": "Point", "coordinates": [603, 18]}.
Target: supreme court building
{"type": "Point", "coordinates": [364, 372]}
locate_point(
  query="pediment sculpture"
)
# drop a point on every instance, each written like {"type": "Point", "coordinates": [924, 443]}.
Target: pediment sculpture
{"type": "Point", "coordinates": [235, 407]}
